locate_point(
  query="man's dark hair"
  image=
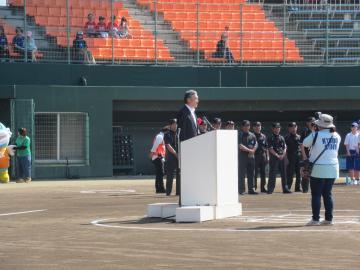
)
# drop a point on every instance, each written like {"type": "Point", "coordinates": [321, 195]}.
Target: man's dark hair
{"type": "Point", "coordinates": [189, 94]}
{"type": "Point", "coordinates": [217, 120]}
{"type": "Point", "coordinates": [245, 123]}
{"type": "Point", "coordinates": [22, 131]}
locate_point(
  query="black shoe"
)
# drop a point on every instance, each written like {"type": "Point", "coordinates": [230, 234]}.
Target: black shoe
{"type": "Point", "coordinates": [305, 191]}
{"type": "Point", "coordinates": [298, 190]}
{"type": "Point", "coordinates": [269, 192]}
{"type": "Point", "coordinates": [252, 192]}
{"type": "Point", "coordinates": [242, 193]}
{"type": "Point", "coordinates": [286, 191]}
{"type": "Point", "coordinates": [263, 190]}
{"type": "Point", "coordinates": [160, 191]}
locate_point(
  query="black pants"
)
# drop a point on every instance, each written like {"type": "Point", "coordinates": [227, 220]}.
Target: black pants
{"type": "Point", "coordinates": [260, 165]}
{"type": "Point", "coordinates": [159, 168]}
{"type": "Point", "coordinates": [322, 187]}
{"type": "Point", "coordinates": [172, 168]}
{"type": "Point", "coordinates": [246, 167]}
{"type": "Point", "coordinates": [276, 165]}
{"type": "Point", "coordinates": [293, 168]}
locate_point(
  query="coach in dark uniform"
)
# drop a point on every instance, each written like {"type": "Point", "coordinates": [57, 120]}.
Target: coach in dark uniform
{"type": "Point", "coordinates": [186, 118]}
{"type": "Point", "coordinates": [171, 164]}
{"type": "Point", "coordinates": [261, 156]}
{"type": "Point", "coordinates": [277, 152]}
{"type": "Point", "coordinates": [309, 128]}
{"type": "Point", "coordinates": [293, 142]}
{"type": "Point", "coordinates": [247, 148]}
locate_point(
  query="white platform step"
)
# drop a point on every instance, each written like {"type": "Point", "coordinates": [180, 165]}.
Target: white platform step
{"type": "Point", "coordinates": [193, 213]}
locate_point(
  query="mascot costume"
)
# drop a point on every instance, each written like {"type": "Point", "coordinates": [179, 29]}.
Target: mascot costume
{"type": "Point", "coordinates": [5, 152]}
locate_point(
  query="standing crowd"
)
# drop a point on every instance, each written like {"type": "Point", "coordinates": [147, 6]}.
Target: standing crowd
{"type": "Point", "coordinates": [311, 156]}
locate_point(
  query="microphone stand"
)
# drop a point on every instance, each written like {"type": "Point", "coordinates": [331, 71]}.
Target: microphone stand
{"type": "Point", "coordinates": [208, 123]}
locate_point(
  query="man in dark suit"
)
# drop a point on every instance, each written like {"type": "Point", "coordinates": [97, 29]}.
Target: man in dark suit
{"type": "Point", "coordinates": [186, 118]}
{"type": "Point", "coordinates": [187, 121]}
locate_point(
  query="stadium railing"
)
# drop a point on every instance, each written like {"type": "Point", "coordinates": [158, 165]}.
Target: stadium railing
{"type": "Point", "coordinates": [187, 32]}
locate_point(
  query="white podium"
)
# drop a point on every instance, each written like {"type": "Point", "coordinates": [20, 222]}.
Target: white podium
{"type": "Point", "coordinates": [209, 179]}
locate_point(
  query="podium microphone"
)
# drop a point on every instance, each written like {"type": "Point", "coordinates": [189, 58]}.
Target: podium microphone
{"type": "Point", "coordinates": [208, 123]}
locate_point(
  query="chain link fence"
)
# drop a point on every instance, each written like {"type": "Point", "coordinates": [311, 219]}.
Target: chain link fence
{"type": "Point", "coordinates": [181, 32]}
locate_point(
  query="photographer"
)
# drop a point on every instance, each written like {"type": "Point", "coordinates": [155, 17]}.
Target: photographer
{"type": "Point", "coordinates": [322, 167]}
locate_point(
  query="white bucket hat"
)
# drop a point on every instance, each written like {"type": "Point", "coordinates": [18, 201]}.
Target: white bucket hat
{"type": "Point", "coordinates": [325, 121]}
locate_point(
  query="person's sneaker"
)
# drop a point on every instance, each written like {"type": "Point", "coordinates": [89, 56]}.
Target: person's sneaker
{"type": "Point", "coordinates": [286, 191]}
{"type": "Point", "coordinates": [27, 180]}
{"type": "Point", "coordinates": [20, 181]}
{"type": "Point", "coordinates": [313, 223]}
{"type": "Point", "coordinates": [326, 222]}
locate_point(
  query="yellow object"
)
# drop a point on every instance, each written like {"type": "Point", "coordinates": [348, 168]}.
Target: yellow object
{"type": "Point", "coordinates": [4, 166]}
{"type": "Point", "coordinates": [4, 177]}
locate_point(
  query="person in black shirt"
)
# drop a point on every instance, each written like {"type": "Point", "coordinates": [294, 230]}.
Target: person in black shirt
{"type": "Point", "coordinates": [172, 165]}
{"type": "Point", "coordinates": [261, 156]}
{"type": "Point", "coordinates": [80, 49]}
{"type": "Point", "coordinates": [277, 149]}
{"type": "Point", "coordinates": [223, 50]}
{"type": "Point", "coordinates": [310, 128]}
{"type": "Point", "coordinates": [4, 46]}
{"type": "Point", "coordinates": [293, 142]}
{"type": "Point", "coordinates": [247, 148]}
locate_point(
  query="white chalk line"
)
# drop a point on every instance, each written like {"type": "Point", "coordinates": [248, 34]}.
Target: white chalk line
{"type": "Point", "coordinates": [100, 223]}
{"type": "Point", "coordinates": [24, 212]}
{"type": "Point", "coordinates": [108, 191]}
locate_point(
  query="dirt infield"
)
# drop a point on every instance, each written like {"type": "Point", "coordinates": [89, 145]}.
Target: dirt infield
{"type": "Point", "coordinates": [102, 225]}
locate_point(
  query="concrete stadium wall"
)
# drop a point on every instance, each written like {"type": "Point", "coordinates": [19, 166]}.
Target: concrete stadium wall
{"type": "Point", "coordinates": [107, 75]}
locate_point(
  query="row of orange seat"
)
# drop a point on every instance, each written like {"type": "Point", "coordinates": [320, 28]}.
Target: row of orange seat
{"type": "Point", "coordinates": [202, 16]}
{"type": "Point", "coordinates": [233, 35]}
{"type": "Point", "coordinates": [118, 43]}
{"type": "Point", "coordinates": [162, 54]}
{"type": "Point", "coordinates": [74, 22]}
{"type": "Point", "coordinates": [74, 12]}
{"type": "Point", "coordinates": [244, 44]}
{"type": "Point", "coordinates": [92, 4]}
{"type": "Point", "coordinates": [203, 7]}
{"type": "Point", "coordinates": [209, 25]}
{"type": "Point", "coordinates": [258, 56]}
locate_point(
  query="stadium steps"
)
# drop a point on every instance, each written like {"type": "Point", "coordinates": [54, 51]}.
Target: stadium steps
{"type": "Point", "coordinates": [14, 18]}
{"type": "Point", "coordinates": [306, 47]}
{"type": "Point", "coordinates": [178, 49]}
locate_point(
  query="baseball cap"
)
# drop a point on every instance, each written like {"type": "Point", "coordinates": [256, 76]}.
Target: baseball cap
{"type": "Point", "coordinates": [310, 119]}
{"type": "Point", "coordinates": [292, 124]}
{"type": "Point", "coordinates": [354, 124]}
{"type": "Point", "coordinates": [276, 125]}
{"type": "Point", "coordinates": [257, 124]}
{"type": "Point", "coordinates": [173, 121]}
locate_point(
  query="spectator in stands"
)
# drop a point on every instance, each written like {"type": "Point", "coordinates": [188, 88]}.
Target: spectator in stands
{"type": "Point", "coordinates": [124, 29]}
{"type": "Point", "coordinates": [18, 41]}
{"type": "Point", "coordinates": [352, 153]}
{"type": "Point", "coordinates": [90, 26]}
{"type": "Point", "coordinates": [80, 51]}
{"type": "Point", "coordinates": [223, 50]}
{"type": "Point", "coordinates": [4, 48]}
{"type": "Point", "coordinates": [101, 28]}
{"type": "Point", "coordinates": [113, 27]}
{"type": "Point", "coordinates": [31, 46]}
